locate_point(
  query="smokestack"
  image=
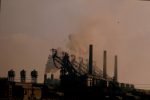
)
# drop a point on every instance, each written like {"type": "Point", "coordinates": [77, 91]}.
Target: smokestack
{"type": "Point", "coordinates": [116, 69]}
{"type": "Point", "coordinates": [105, 64]}
{"type": "Point", "coordinates": [90, 58]}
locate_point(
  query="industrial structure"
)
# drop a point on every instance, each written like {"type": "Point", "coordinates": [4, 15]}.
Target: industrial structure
{"type": "Point", "coordinates": [78, 80]}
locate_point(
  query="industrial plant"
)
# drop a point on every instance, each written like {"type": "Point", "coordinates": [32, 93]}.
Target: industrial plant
{"type": "Point", "coordinates": [78, 80]}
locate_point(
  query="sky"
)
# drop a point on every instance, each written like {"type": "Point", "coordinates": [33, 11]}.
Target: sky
{"type": "Point", "coordinates": [30, 28]}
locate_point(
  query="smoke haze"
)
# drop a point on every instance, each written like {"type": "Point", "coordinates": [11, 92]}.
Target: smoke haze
{"type": "Point", "coordinates": [30, 28]}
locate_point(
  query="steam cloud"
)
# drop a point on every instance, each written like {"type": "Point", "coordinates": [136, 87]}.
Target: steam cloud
{"type": "Point", "coordinates": [29, 28]}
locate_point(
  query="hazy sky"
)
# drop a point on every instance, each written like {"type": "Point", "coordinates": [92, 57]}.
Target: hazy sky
{"type": "Point", "coordinates": [30, 28]}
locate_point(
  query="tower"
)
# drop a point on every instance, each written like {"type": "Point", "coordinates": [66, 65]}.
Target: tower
{"type": "Point", "coordinates": [90, 58]}
{"type": "Point", "coordinates": [116, 69]}
{"type": "Point", "coordinates": [105, 64]}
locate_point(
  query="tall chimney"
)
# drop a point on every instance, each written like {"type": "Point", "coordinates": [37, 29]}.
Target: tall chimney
{"type": "Point", "coordinates": [116, 69]}
{"type": "Point", "coordinates": [90, 58]}
{"type": "Point", "coordinates": [105, 64]}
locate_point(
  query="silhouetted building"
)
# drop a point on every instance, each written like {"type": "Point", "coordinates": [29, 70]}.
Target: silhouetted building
{"type": "Point", "coordinates": [78, 81]}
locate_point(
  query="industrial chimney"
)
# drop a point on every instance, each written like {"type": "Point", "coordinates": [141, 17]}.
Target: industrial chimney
{"type": "Point", "coordinates": [90, 58]}
{"type": "Point", "coordinates": [105, 64]}
{"type": "Point", "coordinates": [116, 69]}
